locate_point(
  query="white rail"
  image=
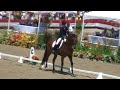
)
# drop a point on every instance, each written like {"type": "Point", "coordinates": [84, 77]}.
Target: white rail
{"type": "Point", "coordinates": [21, 59]}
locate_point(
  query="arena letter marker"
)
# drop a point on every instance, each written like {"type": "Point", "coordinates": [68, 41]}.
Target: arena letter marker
{"type": "Point", "coordinates": [32, 52]}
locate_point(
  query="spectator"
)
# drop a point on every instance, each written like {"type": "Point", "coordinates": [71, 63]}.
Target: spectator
{"type": "Point", "coordinates": [66, 14]}
{"type": "Point", "coordinates": [113, 33]}
{"type": "Point", "coordinates": [35, 23]}
{"type": "Point", "coordinates": [81, 14]}
{"type": "Point", "coordinates": [4, 15]}
{"type": "Point", "coordinates": [52, 16]}
{"type": "Point", "coordinates": [23, 15]}
{"type": "Point", "coordinates": [55, 15]}
{"type": "Point", "coordinates": [74, 16]}
{"type": "Point", "coordinates": [97, 34]}
{"type": "Point", "coordinates": [30, 17]}
{"type": "Point", "coordinates": [104, 33]}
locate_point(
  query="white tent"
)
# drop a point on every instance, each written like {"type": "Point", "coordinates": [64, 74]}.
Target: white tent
{"type": "Point", "coordinates": [113, 16]}
{"type": "Point", "coordinates": [110, 16]}
{"type": "Point", "coordinates": [104, 14]}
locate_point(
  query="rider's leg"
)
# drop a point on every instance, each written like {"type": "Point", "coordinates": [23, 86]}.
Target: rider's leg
{"type": "Point", "coordinates": [58, 41]}
{"type": "Point", "coordinates": [61, 43]}
{"type": "Point", "coordinates": [53, 44]}
{"type": "Point", "coordinates": [56, 44]}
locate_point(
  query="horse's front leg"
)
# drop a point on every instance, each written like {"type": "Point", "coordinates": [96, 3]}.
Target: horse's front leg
{"type": "Point", "coordinates": [71, 61]}
{"type": "Point", "coordinates": [55, 56]}
{"type": "Point", "coordinates": [46, 64]}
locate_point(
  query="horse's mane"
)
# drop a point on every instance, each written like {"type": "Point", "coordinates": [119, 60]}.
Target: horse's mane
{"type": "Point", "coordinates": [70, 37]}
{"type": "Point", "coordinates": [45, 19]}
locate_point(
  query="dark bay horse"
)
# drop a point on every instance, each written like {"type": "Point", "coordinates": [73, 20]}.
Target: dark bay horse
{"type": "Point", "coordinates": [66, 50]}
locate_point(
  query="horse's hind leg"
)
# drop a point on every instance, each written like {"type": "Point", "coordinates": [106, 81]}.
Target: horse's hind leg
{"type": "Point", "coordinates": [47, 56]}
{"type": "Point", "coordinates": [45, 59]}
{"type": "Point", "coordinates": [55, 56]}
{"type": "Point", "coordinates": [70, 57]}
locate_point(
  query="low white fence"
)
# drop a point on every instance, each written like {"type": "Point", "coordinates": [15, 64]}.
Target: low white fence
{"type": "Point", "coordinates": [99, 74]}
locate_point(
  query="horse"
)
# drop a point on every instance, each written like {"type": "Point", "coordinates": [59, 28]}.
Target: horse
{"type": "Point", "coordinates": [66, 50]}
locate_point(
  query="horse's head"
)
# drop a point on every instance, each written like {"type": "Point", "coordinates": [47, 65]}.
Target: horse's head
{"type": "Point", "coordinates": [72, 38]}
{"type": "Point", "coordinates": [46, 18]}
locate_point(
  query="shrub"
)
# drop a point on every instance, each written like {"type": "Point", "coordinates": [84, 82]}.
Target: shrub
{"type": "Point", "coordinates": [41, 40]}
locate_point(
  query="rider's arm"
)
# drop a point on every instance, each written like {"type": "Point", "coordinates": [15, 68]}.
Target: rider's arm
{"type": "Point", "coordinates": [67, 31]}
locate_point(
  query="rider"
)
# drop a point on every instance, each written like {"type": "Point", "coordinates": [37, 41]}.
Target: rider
{"type": "Point", "coordinates": [62, 35]}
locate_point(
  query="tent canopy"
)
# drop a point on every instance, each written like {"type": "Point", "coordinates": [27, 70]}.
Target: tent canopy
{"type": "Point", "coordinates": [107, 15]}
{"type": "Point", "coordinates": [112, 19]}
{"type": "Point", "coordinates": [104, 14]}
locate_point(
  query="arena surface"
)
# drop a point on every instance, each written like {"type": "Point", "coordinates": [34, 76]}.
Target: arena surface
{"type": "Point", "coordinates": [11, 69]}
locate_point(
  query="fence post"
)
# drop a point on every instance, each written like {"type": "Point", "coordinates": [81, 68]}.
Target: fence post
{"type": "Point", "coordinates": [0, 56]}
{"type": "Point", "coordinates": [20, 60]}
{"type": "Point", "coordinates": [100, 76]}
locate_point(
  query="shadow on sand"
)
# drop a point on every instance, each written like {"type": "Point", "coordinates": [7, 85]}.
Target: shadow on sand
{"type": "Point", "coordinates": [59, 72]}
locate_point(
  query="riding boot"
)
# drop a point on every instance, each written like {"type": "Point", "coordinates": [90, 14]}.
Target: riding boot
{"type": "Point", "coordinates": [55, 47]}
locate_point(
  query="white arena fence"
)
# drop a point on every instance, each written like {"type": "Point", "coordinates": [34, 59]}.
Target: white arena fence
{"type": "Point", "coordinates": [99, 74]}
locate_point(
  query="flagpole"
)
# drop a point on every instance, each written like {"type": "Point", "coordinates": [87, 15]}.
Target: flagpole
{"type": "Point", "coordinates": [82, 29]}
{"type": "Point", "coordinates": [9, 21]}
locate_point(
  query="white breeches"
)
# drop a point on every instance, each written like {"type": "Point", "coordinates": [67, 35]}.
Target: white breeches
{"type": "Point", "coordinates": [59, 39]}
{"type": "Point", "coordinates": [56, 42]}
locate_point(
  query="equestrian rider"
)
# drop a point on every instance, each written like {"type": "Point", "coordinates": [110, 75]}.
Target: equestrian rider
{"type": "Point", "coordinates": [62, 35]}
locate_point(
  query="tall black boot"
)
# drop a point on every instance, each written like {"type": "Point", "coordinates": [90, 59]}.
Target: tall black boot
{"type": "Point", "coordinates": [55, 47]}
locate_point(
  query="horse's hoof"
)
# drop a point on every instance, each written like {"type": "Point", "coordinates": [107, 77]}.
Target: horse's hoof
{"type": "Point", "coordinates": [46, 67]}
{"type": "Point", "coordinates": [53, 71]}
{"type": "Point", "coordinates": [61, 71]}
{"type": "Point", "coordinates": [73, 75]}
{"type": "Point", "coordinates": [41, 67]}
